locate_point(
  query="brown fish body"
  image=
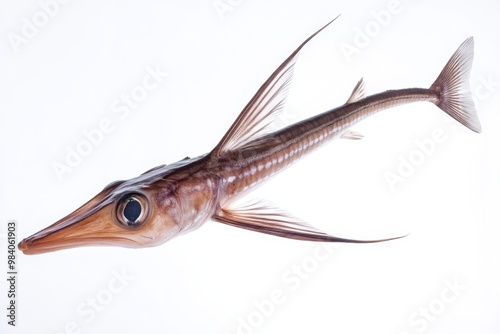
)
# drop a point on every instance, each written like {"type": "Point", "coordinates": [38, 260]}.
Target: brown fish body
{"type": "Point", "coordinates": [174, 199]}
{"type": "Point", "coordinates": [241, 170]}
{"type": "Point", "coordinates": [208, 184]}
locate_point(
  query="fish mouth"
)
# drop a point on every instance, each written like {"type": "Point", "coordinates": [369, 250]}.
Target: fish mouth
{"type": "Point", "coordinates": [34, 245]}
{"type": "Point", "coordinates": [90, 225]}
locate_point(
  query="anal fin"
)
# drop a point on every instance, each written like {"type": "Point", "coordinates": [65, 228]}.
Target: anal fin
{"type": "Point", "coordinates": [349, 134]}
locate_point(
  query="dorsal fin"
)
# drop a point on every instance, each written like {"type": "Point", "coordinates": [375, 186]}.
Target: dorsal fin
{"type": "Point", "coordinates": [358, 92]}
{"type": "Point", "coordinates": [264, 106]}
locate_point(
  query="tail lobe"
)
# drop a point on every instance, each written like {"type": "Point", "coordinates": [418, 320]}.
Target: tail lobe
{"type": "Point", "coordinates": [452, 86]}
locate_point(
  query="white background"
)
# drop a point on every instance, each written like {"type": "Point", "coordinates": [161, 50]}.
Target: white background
{"type": "Point", "coordinates": [66, 78]}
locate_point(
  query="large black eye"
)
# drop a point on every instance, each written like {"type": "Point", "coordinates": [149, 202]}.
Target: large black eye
{"type": "Point", "coordinates": [132, 210]}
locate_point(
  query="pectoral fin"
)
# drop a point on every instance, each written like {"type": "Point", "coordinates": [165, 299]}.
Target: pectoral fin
{"type": "Point", "coordinates": [263, 218]}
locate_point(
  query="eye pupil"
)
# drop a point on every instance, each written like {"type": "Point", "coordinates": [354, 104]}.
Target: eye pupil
{"type": "Point", "coordinates": [132, 210]}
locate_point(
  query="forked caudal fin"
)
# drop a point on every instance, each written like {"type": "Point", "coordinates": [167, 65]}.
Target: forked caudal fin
{"type": "Point", "coordinates": [453, 87]}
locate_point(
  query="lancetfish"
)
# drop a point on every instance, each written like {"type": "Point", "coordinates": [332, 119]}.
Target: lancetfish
{"type": "Point", "coordinates": [170, 200]}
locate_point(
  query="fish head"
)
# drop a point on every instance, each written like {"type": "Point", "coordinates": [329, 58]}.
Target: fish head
{"type": "Point", "coordinates": [140, 212]}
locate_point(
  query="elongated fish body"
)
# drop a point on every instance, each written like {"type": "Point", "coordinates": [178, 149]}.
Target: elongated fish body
{"type": "Point", "coordinates": [174, 199]}
{"type": "Point", "coordinates": [266, 156]}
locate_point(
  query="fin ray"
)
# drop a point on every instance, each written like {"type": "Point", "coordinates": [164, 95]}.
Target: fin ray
{"type": "Point", "coordinates": [453, 87]}
{"type": "Point", "coordinates": [264, 106]}
{"type": "Point", "coordinates": [349, 134]}
{"type": "Point", "coordinates": [358, 93]}
{"type": "Point", "coordinates": [266, 219]}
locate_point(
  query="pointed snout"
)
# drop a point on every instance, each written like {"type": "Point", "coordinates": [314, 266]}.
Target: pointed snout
{"type": "Point", "coordinates": [90, 225]}
{"type": "Point", "coordinates": [123, 214]}
{"type": "Point", "coordinates": [75, 230]}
